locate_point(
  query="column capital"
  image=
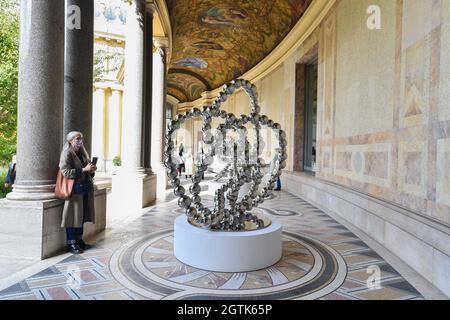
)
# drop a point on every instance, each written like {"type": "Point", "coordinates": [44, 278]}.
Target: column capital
{"type": "Point", "coordinates": [161, 46]}
{"type": "Point", "coordinates": [150, 7]}
{"type": "Point", "coordinates": [161, 42]}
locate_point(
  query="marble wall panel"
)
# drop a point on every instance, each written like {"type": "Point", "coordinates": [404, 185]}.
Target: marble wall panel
{"type": "Point", "coordinates": [365, 69]}
{"type": "Point", "coordinates": [368, 163]}
{"type": "Point", "coordinates": [416, 62]}
{"type": "Point", "coordinates": [412, 166]}
{"type": "Point", "coordinates": [443, 172]}
{"type": "Point", "coordinates": [444, 68]}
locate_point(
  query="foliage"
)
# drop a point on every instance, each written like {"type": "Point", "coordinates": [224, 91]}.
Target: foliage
{"type": "Point", "coordinates": [104, 63]}
{"type": "Point", "coordinates": [9, 59]}
{"type": "Point", "coordinates": [117, 161]}
{"type": "Point", "coordinates": [3, 190]}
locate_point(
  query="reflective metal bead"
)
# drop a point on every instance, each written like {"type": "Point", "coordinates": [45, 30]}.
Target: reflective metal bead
{"type": "Point", "coordinates": [263, 119]}
{"type": "Point", "coordinates": [175, 182]}
{"type": "Point", "coordinates": [223, 114]}
{"type": "Point", "coordinates": [231, 117]}
{"type": "Point", "coordinates": [184, 202]}
{"type": "Point", "coordinates": [207, 212]}
{"type": "Point", "coordinates": [196, 178]}
{"type": "Point", "coordinates": [172, 173]}
{"type": "Point", "coordinates": [196, 199]}
{"type": "Point", "coordinates": [260, 223]}
{"type": "Point", "coordinates": [179, 191]}
{"type": "Point", "coordinates": [191, 212]}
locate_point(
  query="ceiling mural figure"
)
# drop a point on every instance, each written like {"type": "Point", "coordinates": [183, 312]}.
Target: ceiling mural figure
{"type": "Point", "coordinates": [207, 45]}
{"type": "Point", "coordinates": [192, 62]}
{"type": "Point", "coordinates": [217, 41]}
{"type": "Point", "coordinates": [223, 16]}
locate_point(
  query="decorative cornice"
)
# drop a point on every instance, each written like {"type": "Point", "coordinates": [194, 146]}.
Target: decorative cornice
{"type": "Point", "coordinates": [185, 106]}
{"type": "Point", "coordinates": [161, 42]}
{"type": "Point", "coordinates": [171, 85]}
{"type": "Point", "coordinates": [109, 36]}
{"type": "Point", "coordinates": [107, 86]}
{"type": "Point", "coordinates": [172, 100]}
{"type": "Point", "coordinates": [310, 20]}
{"type": "Point", "coordinates": [192, 74]}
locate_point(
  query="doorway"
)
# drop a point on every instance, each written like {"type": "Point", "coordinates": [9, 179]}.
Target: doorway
{"type": "Point", "coordinates": [310, 116]}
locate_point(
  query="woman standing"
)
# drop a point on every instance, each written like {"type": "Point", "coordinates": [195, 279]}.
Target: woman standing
{"type": "Point", "coordinates": [188, 163]}
{"type": "Point", "coordinates": [79, 208]}
{"type": "Point", "coordinates": [180, 155]}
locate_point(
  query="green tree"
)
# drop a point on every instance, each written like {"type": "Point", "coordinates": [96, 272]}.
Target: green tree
{"type": "Point", "coordinates": [9, 65]}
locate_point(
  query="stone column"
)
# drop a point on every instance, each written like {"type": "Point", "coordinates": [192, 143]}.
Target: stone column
{"type": "Point", "coordinates": [148, 64]}
{"type": "Point", "coordinates": [114, 116]}
{"type": "Point", "coordinates": [40, 105]}
{"type": "Point", "coordinates": [98, 124]}
{"type": "Point", "coordinates": [79, 59]}
{"type": "Point", "coordinates": [132, 135]}
{"type": "Point", "coordinates": [158, 114]}
{"type": "Point", "coordinates": [134, 186]}
{"type": "Point", "coordinates": [30, 216]}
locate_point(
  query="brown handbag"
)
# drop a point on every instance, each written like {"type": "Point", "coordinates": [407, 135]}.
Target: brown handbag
{"type": "Point", "coordinates": [64, 186]}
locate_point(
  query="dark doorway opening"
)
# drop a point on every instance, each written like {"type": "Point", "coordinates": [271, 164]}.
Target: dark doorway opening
{"type": "Point", "coordinates": [310, 117]}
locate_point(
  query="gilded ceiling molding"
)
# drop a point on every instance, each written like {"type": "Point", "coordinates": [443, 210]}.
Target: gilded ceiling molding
{"type": "Point", "coordinates": [172, 100]}
{"type": "Point", "coordinates": [313, 16]}
{"type": "Point", "coordinates": [310, 20]}
{"type": "Point", "coordinates": [183, 91]}
{"type": "Point", "coordinates": [193, 74]}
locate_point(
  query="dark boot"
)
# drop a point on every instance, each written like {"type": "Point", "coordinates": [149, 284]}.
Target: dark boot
{"type": "Point", "coordinates": [74, 248]}
{"type": "Point", "coordinates": [84, 246]}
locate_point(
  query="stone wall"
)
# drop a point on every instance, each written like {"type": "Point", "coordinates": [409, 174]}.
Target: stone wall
{"type": "Point", "coordinates": [383, 111]}
{"type": "Point", "coordinates": [385, 127]}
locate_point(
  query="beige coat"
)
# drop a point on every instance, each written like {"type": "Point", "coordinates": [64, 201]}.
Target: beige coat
{"type": "Point", "coordinates": [73, 214]}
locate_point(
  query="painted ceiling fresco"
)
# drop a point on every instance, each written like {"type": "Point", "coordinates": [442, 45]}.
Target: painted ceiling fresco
{"type": "Point", "coordinates": [215, 41]}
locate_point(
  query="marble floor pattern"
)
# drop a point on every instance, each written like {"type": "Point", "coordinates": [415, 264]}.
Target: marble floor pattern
{"type": "Point", "coordinates": [321, 259]}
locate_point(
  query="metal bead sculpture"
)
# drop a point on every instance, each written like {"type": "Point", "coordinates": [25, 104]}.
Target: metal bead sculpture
{"type": "Point", "coordinates": [237, 216]}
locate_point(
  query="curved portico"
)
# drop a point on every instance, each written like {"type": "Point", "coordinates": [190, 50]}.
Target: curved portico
{"type": "Point", "coordinates": [366, 188]}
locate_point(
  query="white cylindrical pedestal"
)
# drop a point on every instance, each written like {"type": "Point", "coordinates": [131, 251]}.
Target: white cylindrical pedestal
{"type": "Point", "coordinates": [226, 251]}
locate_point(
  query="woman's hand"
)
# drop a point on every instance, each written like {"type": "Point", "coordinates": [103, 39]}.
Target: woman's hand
{"type": "Point", "coordinates": [90, 168]}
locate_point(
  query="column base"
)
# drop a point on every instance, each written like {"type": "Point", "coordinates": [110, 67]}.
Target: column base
{"type": "Point", "coordinates": [32, 229]}
{"type": "Point", "coordinates": [132, 190]}
{"type": "Point", "coordinates": [32, 193]}
{"type": "Point", "coordinates": [161, 181]}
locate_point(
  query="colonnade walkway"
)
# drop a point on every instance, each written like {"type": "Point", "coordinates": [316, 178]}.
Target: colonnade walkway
{"type": "Point", "coordinates": [322, 259]}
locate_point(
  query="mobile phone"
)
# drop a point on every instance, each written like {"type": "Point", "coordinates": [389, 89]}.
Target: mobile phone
{"type": "Point", "coordinates": [94, 161]}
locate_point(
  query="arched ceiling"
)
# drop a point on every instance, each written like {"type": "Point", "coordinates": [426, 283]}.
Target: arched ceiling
{"type": "Point", "coordinates": [215, 41]}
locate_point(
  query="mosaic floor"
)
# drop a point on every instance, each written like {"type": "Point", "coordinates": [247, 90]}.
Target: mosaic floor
{"type": "Point", "coordinates": [321, 260]}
